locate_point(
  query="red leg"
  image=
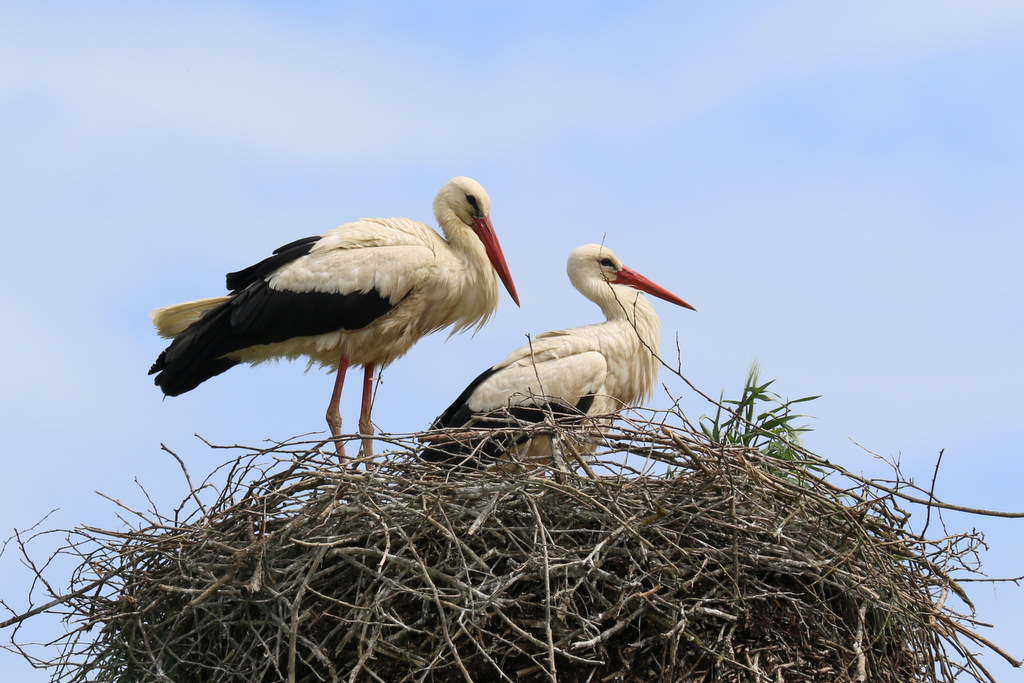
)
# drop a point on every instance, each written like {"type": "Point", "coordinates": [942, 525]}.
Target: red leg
{"type": "Point", "coordinates": [365, 425]}
{"type": "Point", "coordinates": [333, 412]}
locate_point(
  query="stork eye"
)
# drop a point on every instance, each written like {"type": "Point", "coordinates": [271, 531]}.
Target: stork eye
{"type": "Point", "coordinates": [607, 263]}
{"type": "Point", "coordinates": [473, 202]}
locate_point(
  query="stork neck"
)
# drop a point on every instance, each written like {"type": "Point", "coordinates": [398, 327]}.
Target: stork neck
{"type": "Point", "coordinates": [467, 246]}
{"type": "Point", "coordinates": [640, 333]}
{"type": "Point", "coordinates": [473, 282]}
{"type": "Point", "coordinates": [632, 308]}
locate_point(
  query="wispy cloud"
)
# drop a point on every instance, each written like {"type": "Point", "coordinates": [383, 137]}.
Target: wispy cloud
{"type": "Point", "coordinates": [235, 76]}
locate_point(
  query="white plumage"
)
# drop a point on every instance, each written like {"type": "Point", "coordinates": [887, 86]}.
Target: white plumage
{"type": "Point", "coordinates": [595, 369]}
{"type": "Point", "coordinates": [361, 294]}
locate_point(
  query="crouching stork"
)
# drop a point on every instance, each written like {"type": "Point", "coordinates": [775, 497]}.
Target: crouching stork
{"type": "Point", "coordinates": [582, 374]}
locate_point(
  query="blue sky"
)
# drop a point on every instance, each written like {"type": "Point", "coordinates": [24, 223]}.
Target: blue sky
{"type": "Point", "coordinates": [836, 189]}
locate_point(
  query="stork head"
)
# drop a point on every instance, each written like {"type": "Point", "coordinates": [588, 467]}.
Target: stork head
{"type": "Point", "coordinates": [463, 198]}
{"type": "Point", "coordinates": [593, 265]}
{"type": "Point", "coordinates": [464, 201]}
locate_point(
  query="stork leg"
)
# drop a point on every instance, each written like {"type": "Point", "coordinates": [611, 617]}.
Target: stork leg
{"type": "Point", "coordinates": [365, 424]}
{"type": "Point", "coordinates": [333, 411]}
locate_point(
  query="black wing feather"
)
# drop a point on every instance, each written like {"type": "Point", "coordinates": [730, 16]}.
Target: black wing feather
{"type": "Point", "coordinates": [241, 279]}
{"type": "Point", "coordinates": [257, 314]}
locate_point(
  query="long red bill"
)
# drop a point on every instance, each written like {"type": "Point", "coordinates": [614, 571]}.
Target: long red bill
{"type": "Point", "coordinates": [485, 231]}
{"type": "Point", "coordinates": [628, 276]}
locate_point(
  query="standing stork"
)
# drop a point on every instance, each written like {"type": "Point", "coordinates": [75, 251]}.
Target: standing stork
{"type": "Point", "coordinates": [593, 370]}
{"type": "Point", "coordinates": [360, 294]}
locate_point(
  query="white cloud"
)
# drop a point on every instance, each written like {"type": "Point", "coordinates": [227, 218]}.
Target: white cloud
{"type": "Point", "coordinates": [234, 76]}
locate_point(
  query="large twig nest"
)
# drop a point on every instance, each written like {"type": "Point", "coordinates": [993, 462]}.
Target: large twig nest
{"type": "Point", "coordinates": [729, 565]}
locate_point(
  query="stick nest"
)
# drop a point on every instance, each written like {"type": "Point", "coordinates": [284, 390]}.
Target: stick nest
{"type": "Point", "coordinates": [701, 563]}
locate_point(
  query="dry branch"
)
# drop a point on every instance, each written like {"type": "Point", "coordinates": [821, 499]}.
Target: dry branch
{"type": "Point", "coordinates": [726, 565]}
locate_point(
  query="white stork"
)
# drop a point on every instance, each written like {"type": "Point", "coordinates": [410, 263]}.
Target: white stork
{"type": "Point", "coordinates": [594, 370]}
{"type": "Point", "coordinates": [360, 294]}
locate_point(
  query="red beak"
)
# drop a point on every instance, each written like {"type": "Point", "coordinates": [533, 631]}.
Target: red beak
{"type": "Point", "coordinates": [628, 276]}
{"type": "Point", "coordinates": [485, 231]}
